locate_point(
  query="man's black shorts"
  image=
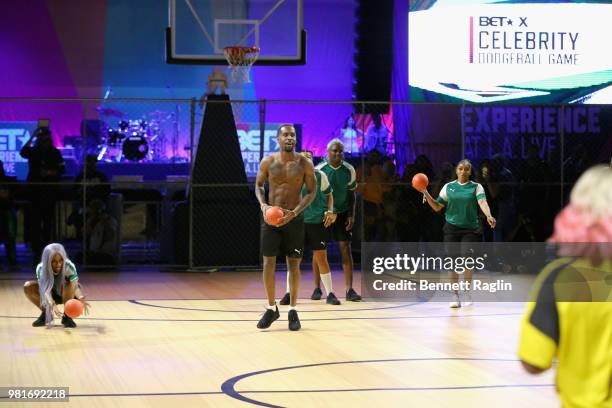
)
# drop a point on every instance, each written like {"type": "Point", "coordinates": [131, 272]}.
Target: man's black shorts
{"type": "Point", "coordinates": [317, 236]}
{"type": "Point", "coordinates": [338, 228]}
{"type": "Point", "coordinates": [287, 240]}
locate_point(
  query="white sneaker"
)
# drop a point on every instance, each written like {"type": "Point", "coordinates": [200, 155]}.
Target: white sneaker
{"type": "Point", "coordinates": [455, 303]}
{"type": "Point", "coordinates": [468, 301]}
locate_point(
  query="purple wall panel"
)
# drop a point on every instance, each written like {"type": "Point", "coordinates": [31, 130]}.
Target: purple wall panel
{"type": "Point", "coordinates": [32, 64]}
{"type": "Point", "coordinates": [57, 49]}
{"type": "Point", "coordinates": [80, 27]}
{"type": "Point", "coordinates": [327, 75]}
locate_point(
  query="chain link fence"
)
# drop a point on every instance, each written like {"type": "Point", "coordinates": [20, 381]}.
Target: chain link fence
{"type": "Point", "coordinates": [170, 182]}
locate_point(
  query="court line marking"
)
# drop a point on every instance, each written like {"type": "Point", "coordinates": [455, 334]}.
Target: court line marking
{"type": "Point", "coordinates": [331, 309]}
{"type": "Point", "coordinates": [169, 394]}
{"type": "Point", "coordinates": [144, 394]}
{"type": "Point", "coordinates": [164, 299]}
{"type": "Point", "coordinates": [256, 320]}
{"type": "Point", "coordinates": [228, 386]}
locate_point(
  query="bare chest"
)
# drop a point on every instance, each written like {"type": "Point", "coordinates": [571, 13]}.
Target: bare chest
{"type": "Point", "coordinates": [290, 172]}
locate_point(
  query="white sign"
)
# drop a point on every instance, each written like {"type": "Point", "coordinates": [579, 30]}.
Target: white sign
{"type": "Point", "coordinates": [506, 51]}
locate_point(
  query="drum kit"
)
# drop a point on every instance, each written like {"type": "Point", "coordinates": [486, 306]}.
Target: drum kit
{"type": "Point", "coordinates": [133, 140]}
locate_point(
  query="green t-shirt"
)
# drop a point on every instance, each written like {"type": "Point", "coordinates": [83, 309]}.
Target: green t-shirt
{"type": "Point", "coordinates": [342, 180]}
{"type": "Point", "coordinates": [314, 213]}
{"type": "Point", "coordinates": [71, 274]}
{"type": "Point", "coordinates": [461, 201]}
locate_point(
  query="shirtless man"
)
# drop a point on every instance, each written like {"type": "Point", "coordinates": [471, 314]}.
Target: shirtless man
{"type": "Point", "coordinates": [286, 172]}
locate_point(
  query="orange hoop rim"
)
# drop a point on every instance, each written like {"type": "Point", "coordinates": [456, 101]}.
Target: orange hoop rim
{"type": "Point", "coordinates": [240, 59]}
{"type": "Point", "coordinates": [241, 48]}
{"type": "Point", "coordinates": [239, 54]}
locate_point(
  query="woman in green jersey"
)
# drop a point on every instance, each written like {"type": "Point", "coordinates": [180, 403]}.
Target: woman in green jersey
{"type": "Point", "coordinates": [461, 199]}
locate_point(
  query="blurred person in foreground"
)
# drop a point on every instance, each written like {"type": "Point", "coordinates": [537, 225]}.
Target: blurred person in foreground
{"type": "Point", "coordinates": [569, 316]}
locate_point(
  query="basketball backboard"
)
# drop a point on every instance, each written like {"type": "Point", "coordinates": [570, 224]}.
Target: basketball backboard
{"type": "Point", "coordinates": [199, 30]}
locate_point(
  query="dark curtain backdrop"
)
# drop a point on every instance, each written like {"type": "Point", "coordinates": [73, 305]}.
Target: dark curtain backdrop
{"type": "Point", "coordinates": [399, 93]}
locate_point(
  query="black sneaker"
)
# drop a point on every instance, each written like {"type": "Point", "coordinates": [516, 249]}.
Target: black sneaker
{"type": "Point", "coordinates": [268, 317]}
{"type": "Point", "coordinates": [68, 322]}
{"type": "Point", "coordinates": [332, 299]}
{"type": "Point", "coordinates": [294, 320]}
{"type": "Point", "coordinates": [40, 321]}
{"type": "Point", "coordinates": [352, 296]}
{"type": "Point", "coordinates": [316, 294]}
{"type": "Point", "coordinates": [286, 299]}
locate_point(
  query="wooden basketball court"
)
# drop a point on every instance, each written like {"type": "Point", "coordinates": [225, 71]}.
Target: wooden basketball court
{"type": "Point", "coordinates": [159, 339]}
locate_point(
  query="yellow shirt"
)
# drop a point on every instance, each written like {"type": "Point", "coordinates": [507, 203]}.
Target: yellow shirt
{"type": "Point", "coordinates": [570, 318]}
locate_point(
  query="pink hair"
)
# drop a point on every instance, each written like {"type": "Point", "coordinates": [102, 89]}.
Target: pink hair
{"type": "Point", "coordinates": [584, 227]}
{"type": "Point", "coordinates": [588, 235]}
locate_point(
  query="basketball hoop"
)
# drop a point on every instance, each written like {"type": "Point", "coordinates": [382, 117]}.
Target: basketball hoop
{"type": "Point", "coordinates": [240, 60]}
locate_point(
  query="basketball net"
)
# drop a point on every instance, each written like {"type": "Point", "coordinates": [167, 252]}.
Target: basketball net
{"type": "Point", "coordinates": [240, 60]}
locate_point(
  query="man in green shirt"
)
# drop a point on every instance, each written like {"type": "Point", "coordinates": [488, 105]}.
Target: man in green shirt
{"type": "Point", "coordinates": [343, 181]}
